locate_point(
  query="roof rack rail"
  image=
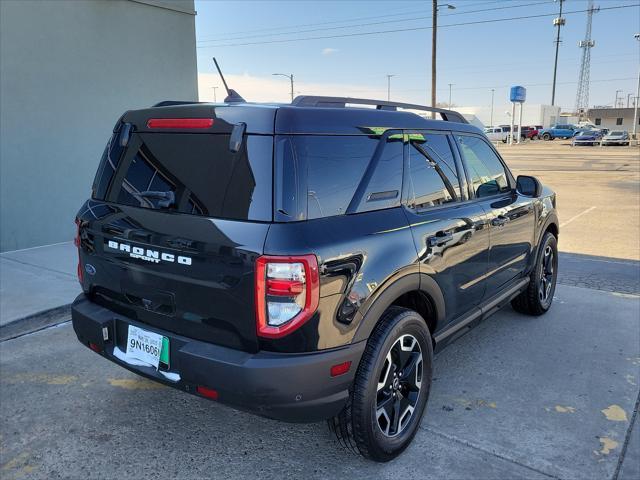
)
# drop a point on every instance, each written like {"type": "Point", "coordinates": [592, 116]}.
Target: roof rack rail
{"type": "Point", "coordinates": [341, 102]}
{"type": "Point", "coordinates": [168, 103]}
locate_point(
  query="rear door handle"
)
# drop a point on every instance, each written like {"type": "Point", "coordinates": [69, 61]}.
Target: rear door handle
{"type": "Point", "coordinates": [439, 240]}
{"type": "Point", "coordinates": [499, 221]}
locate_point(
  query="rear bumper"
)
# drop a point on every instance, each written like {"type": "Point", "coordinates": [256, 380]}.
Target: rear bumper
{"type": "Point", "coordinates": [288, 387]}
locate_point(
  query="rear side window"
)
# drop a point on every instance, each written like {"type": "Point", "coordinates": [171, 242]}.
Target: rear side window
{"type": "Point", "coordinates": [487, 173]}
{"type": "Point", "coordinates": [432, 178]}
{"type": "Point", "coordinates": [190, 173]}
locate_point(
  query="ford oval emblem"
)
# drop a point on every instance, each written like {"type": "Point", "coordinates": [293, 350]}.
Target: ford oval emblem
{"type": "Point", "coordinates": [90, 269]}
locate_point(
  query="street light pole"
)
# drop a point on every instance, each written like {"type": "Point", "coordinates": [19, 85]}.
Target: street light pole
{"type": "Point", "coordinates": [215, 98]}
{"type": "Point", "coordinates": [290, 77]}
{"type": "Point", "coordinates": [389, 87]}
{"type": "Point", "coordinates": [492, 92]}
{"type": "Point", "coordinates": [450, 94]}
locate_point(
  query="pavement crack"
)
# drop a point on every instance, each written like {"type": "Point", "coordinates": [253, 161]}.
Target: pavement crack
{"type": "Point", "coordinates": [489, 452]}
{"type": "Point", "coordinates": [627, 438]}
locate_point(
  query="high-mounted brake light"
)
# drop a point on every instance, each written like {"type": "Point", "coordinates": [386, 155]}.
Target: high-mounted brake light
{"type": "Point", "coordinates": [287, 290]}
{"type": "Point", "coordinates": [179, 122]}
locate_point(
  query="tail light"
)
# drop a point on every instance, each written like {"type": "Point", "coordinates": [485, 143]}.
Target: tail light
{"type": "Point", "coordinates": [287, 293]}
{"type": "Point", "coordinates": [76, 242]}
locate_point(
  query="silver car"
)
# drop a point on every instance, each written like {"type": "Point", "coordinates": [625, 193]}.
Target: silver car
{"type": "Point", "coordinates": [616, 137]}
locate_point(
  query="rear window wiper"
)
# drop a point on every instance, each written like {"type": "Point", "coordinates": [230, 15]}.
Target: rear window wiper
{"type": "Point", "coordinates": [165, 199]}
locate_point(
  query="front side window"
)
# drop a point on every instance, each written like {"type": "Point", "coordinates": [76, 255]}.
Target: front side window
{"type": "Point", "coordinates": [432, 178]}
{"type": "Point", "coordinates": [487, 173]}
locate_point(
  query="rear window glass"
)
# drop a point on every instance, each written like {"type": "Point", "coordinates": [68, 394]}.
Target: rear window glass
{"type": "Point", "coordinates": [190, 173]}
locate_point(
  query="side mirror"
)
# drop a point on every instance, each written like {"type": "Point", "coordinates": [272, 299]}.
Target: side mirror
{"type": "Point", "coordinates": [528, 186]}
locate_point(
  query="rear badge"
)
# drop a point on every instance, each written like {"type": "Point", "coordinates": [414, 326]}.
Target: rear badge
{"type": "Point", "coordinates": [148, 255]}
{"type": "Point", "coordinates": [90, 269]}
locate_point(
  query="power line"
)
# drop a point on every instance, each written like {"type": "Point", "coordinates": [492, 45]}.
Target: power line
{"type": "Point", "coordinates": [224, 37]}
{"type": "Point", "coordinates": [528, 5]}
{"type": "Point", "coordinates": [412, 29]}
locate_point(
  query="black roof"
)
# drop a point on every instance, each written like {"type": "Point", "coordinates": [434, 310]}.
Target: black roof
{"type": "Point", "coordinates": [308, 115]}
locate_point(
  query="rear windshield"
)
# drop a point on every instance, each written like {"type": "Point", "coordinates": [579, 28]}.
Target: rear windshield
{"type": "Point", "coordinates": [189, 173]}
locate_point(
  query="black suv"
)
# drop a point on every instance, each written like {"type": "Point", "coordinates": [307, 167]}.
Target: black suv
{"type": "Point", "coordinates": [305, 261]}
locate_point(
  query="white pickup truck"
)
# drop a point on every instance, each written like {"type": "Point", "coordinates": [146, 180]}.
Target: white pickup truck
{"type": "Point", "coordinates": [496, 134]}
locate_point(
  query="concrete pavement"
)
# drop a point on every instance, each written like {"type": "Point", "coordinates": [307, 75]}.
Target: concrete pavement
{"type": "Point", "coordinates": [37, 280]}
{"type": "Point", "coordinates": [518, 397]}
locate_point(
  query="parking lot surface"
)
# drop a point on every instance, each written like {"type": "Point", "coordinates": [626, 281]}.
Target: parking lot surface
{"type": "Point", "coordinates": [518, 397]}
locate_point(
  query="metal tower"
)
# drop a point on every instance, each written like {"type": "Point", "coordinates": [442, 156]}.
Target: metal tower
{"type": "Point", "coordinates": [582, 96]}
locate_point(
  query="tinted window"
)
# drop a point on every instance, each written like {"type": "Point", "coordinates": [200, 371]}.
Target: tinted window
{"type": "Point", "coordinates": [335, 166]}
{"type": "Point", "coordinates": [488, 176]}
{"type": "Point", "coordinates": [432, 177]}
{"type": "Point", "coordinates": [191, 173]}
{"type": "Point", "coordinates": [384, 186]}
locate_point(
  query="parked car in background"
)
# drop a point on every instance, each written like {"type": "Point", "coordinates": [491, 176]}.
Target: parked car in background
{"type": "Point", "coordinates": [530, 133]}
{"type": "Point", "coordinates": [497, 134]}
{"type": "Point", "coordinates": [558, 131]}
{"type": "Point", "coordinates": [588, 137]}
{"type": "Point", "coordinates": [616, 137]}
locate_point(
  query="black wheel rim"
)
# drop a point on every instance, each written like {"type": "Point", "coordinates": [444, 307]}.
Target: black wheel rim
{"type": "Point", "coordinates": [399, 386]}
{"type": "Point", "coordinates": [547, 272]}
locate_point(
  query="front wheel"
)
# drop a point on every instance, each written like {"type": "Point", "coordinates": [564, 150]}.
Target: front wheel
{"type": "Point", "coordinates": [390, 390]}
{"type": "Point", "coordinates": [546, 137]}
{"type": "Point", "coordinates": [538, 296]}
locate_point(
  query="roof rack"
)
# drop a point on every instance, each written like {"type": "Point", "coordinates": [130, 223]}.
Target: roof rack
{"type": "Point", "coordinates": [168, 103]}
{"type": "Point", "coordinates": [341, 102]}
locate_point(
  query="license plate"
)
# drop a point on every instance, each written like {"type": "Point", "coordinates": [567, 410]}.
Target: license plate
{"type": "Point", "coordinates": [148, 347]}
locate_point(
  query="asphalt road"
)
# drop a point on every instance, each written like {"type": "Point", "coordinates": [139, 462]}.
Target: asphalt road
{"type": "Point", "coordinates": [518, 397]}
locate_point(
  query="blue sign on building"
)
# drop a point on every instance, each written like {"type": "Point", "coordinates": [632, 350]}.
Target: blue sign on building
{"type": "Point", "coordinates": [518, 94]}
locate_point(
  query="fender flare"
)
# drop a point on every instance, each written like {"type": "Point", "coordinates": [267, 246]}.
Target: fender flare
{"type": "Point", "coordinates": [408, 283]}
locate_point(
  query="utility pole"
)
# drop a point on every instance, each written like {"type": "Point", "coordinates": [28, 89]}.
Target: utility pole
{"type": "Point", "coordinates": [628, 96]}
{"type": "Point", "coordinates": [389, 87]}
{"type": "Point", "coordinates": [215, 98]}
{"type": "Point", "coordinates": [558, 22]}
{"type": "Point", "coordinates": [290, 77]}
{"type": "Point", "coordinates": [450, 94]}
{"type": "Point", "coordinates": [615, 104]}
{"type": "Point", "coordinates": [434, 39]}
{"type": "Point", "coordinates": [635, 108]}
{"type": "Point", "coordinates": [492, 92]}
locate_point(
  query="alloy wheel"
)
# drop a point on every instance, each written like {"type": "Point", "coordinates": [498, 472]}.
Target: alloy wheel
{"type": "Point", "coordinates": [546, 274]}
{"type": "Point", "coordinates": [399, 385]}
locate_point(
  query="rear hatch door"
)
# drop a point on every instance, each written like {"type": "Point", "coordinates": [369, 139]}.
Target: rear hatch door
{"type": "Point", "coordinates": [173, 229]}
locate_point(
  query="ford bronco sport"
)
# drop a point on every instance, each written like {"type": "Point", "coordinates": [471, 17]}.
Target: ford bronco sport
{"type": "Point", "coordinates": [304, 261]}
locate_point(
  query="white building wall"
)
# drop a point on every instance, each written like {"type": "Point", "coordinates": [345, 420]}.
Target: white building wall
{"type": "Point", "coordinates": [532, 114]}
{"type": "Point", "coordinates": [68, 70]}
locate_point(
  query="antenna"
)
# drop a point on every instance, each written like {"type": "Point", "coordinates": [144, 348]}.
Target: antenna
{"type": "Point", "coordinates": [232, 95]}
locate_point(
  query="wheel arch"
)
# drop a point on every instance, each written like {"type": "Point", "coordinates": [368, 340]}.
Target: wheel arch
{"type": "Point", "coordinates": [416, 291]}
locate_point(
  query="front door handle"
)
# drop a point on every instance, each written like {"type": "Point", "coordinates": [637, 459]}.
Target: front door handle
{"type": "Point", "coordinates": [499, 221]}
{"type": "Point", "coordinates": [439, 239]}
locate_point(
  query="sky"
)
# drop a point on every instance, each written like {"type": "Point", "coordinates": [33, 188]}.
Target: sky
{"type": "Point", "coordinates": [254, 39]}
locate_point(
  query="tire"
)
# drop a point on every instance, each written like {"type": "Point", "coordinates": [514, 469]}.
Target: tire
{"type": "Point", "coordinates": [504, 140]}
{"type": "Point", "coordinates": [546, 137]}
{"type": "Point", "coordinates": [364, 426]}
{"type": "Point", "coordinates": [538, 296]}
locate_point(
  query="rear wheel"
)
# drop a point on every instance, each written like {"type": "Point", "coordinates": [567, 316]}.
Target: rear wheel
{"type": "Point", "coordinates": [546, 137]}
{"type": "Point", "coordinates": [390, 390]}
{"type": "Point", "coordinates": [538, 296]}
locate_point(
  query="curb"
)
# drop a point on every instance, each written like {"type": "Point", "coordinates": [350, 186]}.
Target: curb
{"type": "Point", "coordinates": [35, 322]}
